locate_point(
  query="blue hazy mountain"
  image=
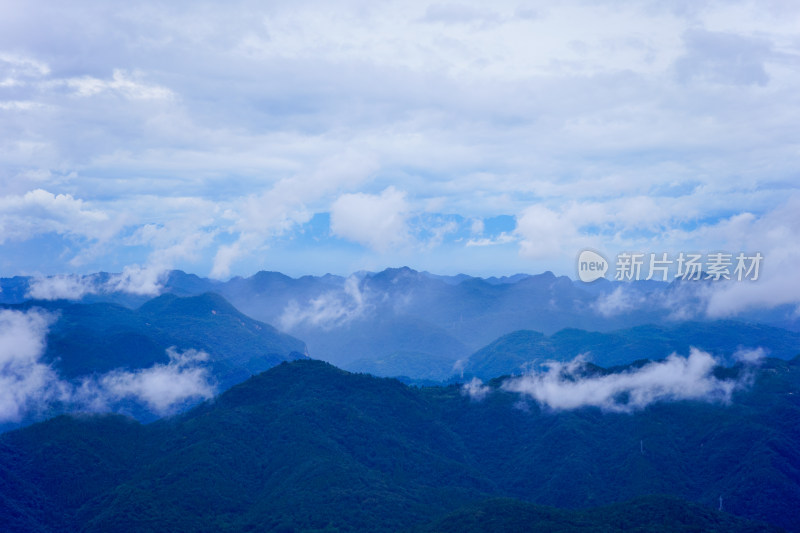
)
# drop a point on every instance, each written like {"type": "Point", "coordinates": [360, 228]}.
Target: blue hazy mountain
{"type": "Point", "coordinates": [377, 315]}
{"type": "Point", "coordinates": [415, 366]}
{"type": "Point", "coordinates": [308, 447]}
{"type": "Point", "coordinates": [368, 321]}
{"type": "Point", "coordinates": [515, 352]}
{"type": "Point", "coordinates": [401, 310]}
{"type": "Point", "coordinates": [96, 338]}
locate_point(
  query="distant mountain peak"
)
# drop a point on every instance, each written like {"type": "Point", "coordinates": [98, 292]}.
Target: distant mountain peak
{"type": "Point", "coordinates": [202, 304]}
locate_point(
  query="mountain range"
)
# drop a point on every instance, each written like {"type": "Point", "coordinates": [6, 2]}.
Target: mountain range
{"type": "Point", "coordinates": [522, 403]}
{"type": "Point", "coordinates": [395, 321]}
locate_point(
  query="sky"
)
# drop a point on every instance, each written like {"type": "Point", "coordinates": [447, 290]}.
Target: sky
{"type": "Point", "coordinates": [310, 137]}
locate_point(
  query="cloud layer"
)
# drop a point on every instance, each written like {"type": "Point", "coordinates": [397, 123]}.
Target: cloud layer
{"type": "Point", "coordinates": [26, 384]}
{"type": "Point", "coordinates": [329, 310]}
{"type": "Point", "coordinates": [316, 137]}
{"type": "Point", "coordinates": [565, 386]}
{"type": "Point", "coordinates": [29, 385]}
{"type": "Point", "coordinates": [161, 387]}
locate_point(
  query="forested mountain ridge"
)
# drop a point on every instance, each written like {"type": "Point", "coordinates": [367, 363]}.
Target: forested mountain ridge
{"type": "Point", "coordinates": [306, 446]}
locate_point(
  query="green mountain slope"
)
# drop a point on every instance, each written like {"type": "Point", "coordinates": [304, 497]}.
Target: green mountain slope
{"type": "Point", "coordinates": [651, 514]}
{"type": "Point", "coordinates": [308, 447]}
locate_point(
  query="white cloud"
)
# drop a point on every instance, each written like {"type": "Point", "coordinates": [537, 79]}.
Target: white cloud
{"type": "Point", "coordinates": [564, 385]}
{"type": "Point", "coordinates": [39, 212]}
{"type": "Point", "coordinates": [16, 65]}
{"type": "Point", "coordinates": [750, 355]}
{"type": "Point", "coordinates": [503, 238]}
{"type": "Point", "coordinates": [121, 83]}
{"type": "Point", "coordinates": [544, 233]}
{"type": "Point", "coordinates": [160, 387]}
{"type": "Point", "coordinates": [773, 236]}
{"type": "Point", "coordinates": [226, 255]}
{"type": "Point", "coordinates": [28, 385]}
{"type": "Point", "coordinates": [272, 112]}
{"type": "Point", "coordinates": [136, 279]}
{"type": "Point", "coordinates": [438, 234]}
{"type": "Point", "coordinates": [177, 240]}
{"type": "Point", "coordinates": [477, 227]}
{"type": "Point", "coordinates": [19, 105]}
{"type": "Point", "coordinates": [258, 218]}
{"type": "Point", "coordinates": [376, 221]}
{"type": "Point", "coordinates": [475, 389]}
{"type": "Point", "coordinates": [620, 300]}
{"type": "Point", "coordinates": [329, 310]}
{"type": "Point", "coordinates": [25, 382]}
{"type": "Point", "coordinates": [67, 287]}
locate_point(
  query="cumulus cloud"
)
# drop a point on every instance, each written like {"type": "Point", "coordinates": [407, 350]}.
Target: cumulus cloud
{"type": "Point", "coordinates": [136, 279]}
{"type": "Point", "coordinates": [39, 212]}
{"type": "Point", "coordinates": [543, 232]}
{"type": "Point", "coordinates": [327, 101]}
{"type": "Point", "coordinates": [771, 234]}
{"type": "Point", "coordinates": [26, 383]}
{"type": "Point", "coordinates": [160, 387]}
{"type": "Point", "coordinates": [564, 386]}
{"type": "Point", "coordinates": [329, 310]}
{"type": "Point", "coordinates": [258, 218]}
{"type": "Point", "coordinates": [768, 235]}
{"type": "Point", "coordinates": [548, 232]}
{"type": "Point", "coordinates": [376, 221]}
{"type": "Point", "coordinates": [475, 389]}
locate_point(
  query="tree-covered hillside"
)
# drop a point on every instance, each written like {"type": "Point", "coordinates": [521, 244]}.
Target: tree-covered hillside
{"type": "Point", "coordinates": [308, 447]}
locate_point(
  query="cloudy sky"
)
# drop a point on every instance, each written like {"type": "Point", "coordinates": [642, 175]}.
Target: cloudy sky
{"type": "Point", "coordinates": [311, 137]}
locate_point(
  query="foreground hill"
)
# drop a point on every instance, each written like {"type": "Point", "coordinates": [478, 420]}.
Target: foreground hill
{"type": "Point", "coordinates": [306, 446]}
{"type": "Point", "coordinates": [653, 514]}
